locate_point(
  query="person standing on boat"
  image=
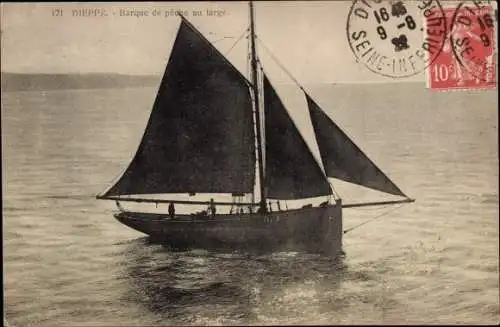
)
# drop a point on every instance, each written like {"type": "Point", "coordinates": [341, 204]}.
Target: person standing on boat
{"type": "Point", "coordinates": [211, 207]}
{"type": "Point", "coordinates": [171, 210]}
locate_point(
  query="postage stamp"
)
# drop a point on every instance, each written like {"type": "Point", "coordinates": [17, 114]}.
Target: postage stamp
{"type": "Point", "coordinates": [388, 36]}
{"type": "Point", "coordinates": [469, 57]}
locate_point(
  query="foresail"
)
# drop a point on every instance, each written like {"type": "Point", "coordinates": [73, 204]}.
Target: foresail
{"type": "Point", "coordinates": [291, 170]}
{"type": "Point", "coordinates": [342, 158]}
{"type": "Point", "coordinates": [200, 136]}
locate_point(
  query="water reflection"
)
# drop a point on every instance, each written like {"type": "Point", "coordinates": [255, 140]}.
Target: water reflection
{"type": "Point", "coordinates": [200, 286]}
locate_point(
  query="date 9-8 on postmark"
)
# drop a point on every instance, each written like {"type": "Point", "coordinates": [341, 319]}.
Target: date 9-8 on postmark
{"type": "Point", "coordinates": [469, 56]}
{"type": "Point", "coordinates": [391, 38]}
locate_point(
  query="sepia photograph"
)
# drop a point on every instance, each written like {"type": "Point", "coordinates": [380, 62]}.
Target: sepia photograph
{"type": "Point", "coordinates": [250, 163]}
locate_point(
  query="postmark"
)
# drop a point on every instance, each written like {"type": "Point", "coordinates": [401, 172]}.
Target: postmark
{"type": "Point", "coordinates": [447, 72]}
{"type": "Point", "coordinates": [388, 36]}
{"type": "Point", "coordinates": [473, 38]}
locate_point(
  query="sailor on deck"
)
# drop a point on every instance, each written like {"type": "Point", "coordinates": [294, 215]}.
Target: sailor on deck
{"type": "Point", "coordinates": [171, 210]}
{"type": "Point", "coordinates": [211, 207]}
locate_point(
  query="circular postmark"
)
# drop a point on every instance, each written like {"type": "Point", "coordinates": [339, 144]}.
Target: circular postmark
{"type": "Point", "coordinates": [396, 38]}
{"type": "Point", "coordinates": [473, 36]}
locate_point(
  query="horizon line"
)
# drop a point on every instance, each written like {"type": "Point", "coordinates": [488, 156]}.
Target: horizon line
{"type": "Point", "coordinates": [158, 75]}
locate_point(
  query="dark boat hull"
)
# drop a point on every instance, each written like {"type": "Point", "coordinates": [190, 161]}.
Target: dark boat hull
{"type": "Point", "coordinates": [313, 229]}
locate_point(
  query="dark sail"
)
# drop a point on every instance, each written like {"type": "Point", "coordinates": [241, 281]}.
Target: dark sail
{"type": "Point", "coordinates": [200, 136]}
{"type": "Point", "coordinates": [291, 170]}
{"type": "Point", "coordinates": [342, 159]}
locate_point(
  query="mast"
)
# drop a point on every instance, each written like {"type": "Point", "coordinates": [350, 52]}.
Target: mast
{"type": "Point", "coordinates": [253, 63]}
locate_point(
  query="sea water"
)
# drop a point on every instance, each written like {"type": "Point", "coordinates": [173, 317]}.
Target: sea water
{"type": "Point", "coordinates": [67, 261]}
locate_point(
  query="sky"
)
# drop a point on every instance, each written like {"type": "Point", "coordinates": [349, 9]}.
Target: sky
{"type": "Point", "coordinates": [308, 37]}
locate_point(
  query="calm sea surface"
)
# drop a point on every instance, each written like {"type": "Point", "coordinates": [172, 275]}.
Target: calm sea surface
{"type": "Point", "coordinates": [67, 261]}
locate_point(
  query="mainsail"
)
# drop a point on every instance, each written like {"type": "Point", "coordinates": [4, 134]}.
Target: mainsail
{"type": "Point", "coordinates": [342, 159]}
{"type": "Point", "coordinates": [200, 135]}
{"type": "Point", "coordinates": [291, 170]}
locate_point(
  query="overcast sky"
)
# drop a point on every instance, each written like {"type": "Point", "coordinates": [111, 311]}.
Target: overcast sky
{"type": "Point", "coordinates": [308, 37]}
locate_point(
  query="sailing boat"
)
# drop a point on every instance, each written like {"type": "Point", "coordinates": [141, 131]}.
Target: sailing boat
{"type": "Point", "coordinates": [209, 132]}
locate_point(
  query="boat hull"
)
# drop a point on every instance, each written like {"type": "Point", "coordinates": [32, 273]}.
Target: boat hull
{"type": "Point", "coordinates": [313, 229]}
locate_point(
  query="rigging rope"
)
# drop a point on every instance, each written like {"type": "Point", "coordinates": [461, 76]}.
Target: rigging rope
{"type": "Point", "coordinates": [224, 38]}
{"type": "Point", "coordinates": [248, 59]}
{"type": "Point", "coordinates": [372, 219]}
{"type": "Point", "coordinates": [236, 42]}
{"type": "Point", "coordinates": [280, 64]}
{"type": "Point", "coordinates": [335, 194]}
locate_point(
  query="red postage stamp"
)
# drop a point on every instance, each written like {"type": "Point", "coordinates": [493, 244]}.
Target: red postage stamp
{"type": "Point", "coordinates": [469, 56]}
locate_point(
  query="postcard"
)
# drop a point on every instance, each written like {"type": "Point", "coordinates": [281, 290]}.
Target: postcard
{"type": "Point", "coordinates": [250, 163]}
